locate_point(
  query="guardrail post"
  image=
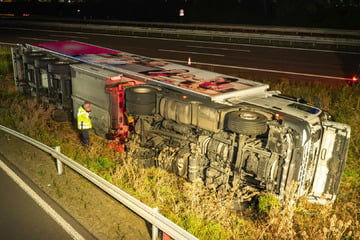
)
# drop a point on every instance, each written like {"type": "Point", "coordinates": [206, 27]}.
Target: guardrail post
{"type": "Point", "coordinates": [59, 164]}
{"type": "Point", "coordinates": [155, 230]}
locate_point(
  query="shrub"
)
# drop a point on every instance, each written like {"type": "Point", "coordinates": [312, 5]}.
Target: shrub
{"type": "Point", "coordinates": [268, 204]}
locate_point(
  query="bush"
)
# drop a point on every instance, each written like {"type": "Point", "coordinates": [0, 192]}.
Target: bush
{"type": "Point", "coordinates": [268, 204]}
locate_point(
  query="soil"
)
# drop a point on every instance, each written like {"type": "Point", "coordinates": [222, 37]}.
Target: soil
{"type": "Point", "coordinates": [103, 216]}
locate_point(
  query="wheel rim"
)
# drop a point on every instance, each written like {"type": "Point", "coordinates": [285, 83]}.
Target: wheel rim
{"type": "Point", "coordinates": [142, 90]}
{"type": "Point", "coordinates": [180, 164]}
{"type": "Point", "coordinates": [248, 116]}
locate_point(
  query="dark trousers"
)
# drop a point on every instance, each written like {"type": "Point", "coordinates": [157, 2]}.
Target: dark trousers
{"type": "Point", "coordinates": [84, 136]}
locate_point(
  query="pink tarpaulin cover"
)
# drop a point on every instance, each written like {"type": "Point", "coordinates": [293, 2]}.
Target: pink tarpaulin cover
{"type": "Point", "coordinates": [72, 48]}
{"type": "Point", "coordinates": [183, 77]}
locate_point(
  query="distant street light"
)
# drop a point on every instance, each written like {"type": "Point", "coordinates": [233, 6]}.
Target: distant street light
{"type": "Point", "coordinates": [181, 15]}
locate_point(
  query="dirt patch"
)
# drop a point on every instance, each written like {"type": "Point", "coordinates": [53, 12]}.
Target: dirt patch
{"type": "Point", "coordinates": [103, 216]}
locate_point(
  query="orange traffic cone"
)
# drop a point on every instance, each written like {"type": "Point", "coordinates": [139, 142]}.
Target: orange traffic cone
{"type": "Point", "coordinates": [189, 61]}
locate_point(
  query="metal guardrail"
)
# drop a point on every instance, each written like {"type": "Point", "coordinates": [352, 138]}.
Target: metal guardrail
{"type": "Point", "coordinates": [290, 38]}
{"type": "Point", "coordinates": [151, 215]}
{"type": "Point", "coordinates": [269, 29]}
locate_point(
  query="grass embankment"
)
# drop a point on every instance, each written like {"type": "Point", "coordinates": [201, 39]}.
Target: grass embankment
{"type": "Point", "coordinates": [190, 205]}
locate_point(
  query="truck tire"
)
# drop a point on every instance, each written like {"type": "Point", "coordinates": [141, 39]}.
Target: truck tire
{"type": "Point", "coordinates": [141, 94]}
{"type": "Point", "coordinates": [246, 122]}
{"type": "Point", "coordinates": [143, 157]}
{"type": "Point", "coordinates": [60, 67]}
{"type": "Point", "coordinates": [140, 100]}
{"type": "Point", "coordinates": [140, 109]}
{"type": "Point", "coordinates": [181, 162]}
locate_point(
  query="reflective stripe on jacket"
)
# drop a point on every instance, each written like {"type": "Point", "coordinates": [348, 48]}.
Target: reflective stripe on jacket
{"type": "Point", "coordinates": [83, 119]}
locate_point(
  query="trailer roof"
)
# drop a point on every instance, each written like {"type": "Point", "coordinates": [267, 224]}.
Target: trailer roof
{"type": "Point", "coordinates": [217, 87]}
{"type": "Point", "coordinates": [73, 48]}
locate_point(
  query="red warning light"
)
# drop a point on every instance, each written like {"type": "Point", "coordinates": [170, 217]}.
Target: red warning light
{"type": "Point", "coordinates": [354, 78]}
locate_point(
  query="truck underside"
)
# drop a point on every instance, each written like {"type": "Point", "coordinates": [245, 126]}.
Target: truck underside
{"type": "Point", "coordinates": [226, 147]}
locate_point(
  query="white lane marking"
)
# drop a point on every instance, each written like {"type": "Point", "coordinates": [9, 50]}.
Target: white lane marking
{"type": "Point", "coordinates": [260, 69]}
{"type": "Point", "coordinates": [219, 48]}
{"type": "Point", "coordinates": [276, 47]}
{"type": "Point", "coordinates": [184, 40]}
{"type": "Point", "coordinates": [196, 53]}
{"type": "Point", "coordinates": [47, 208]}
{"type": "Point", "coordinates": [67, 36]}
{"type": "Point", "coordinates": [38, 39]}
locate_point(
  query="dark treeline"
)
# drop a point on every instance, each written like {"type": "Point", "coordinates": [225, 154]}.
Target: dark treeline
{"type": "Point", "coordinates": [302, 13]}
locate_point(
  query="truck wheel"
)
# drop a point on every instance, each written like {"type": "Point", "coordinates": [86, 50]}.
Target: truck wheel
{"type": "Point", "coordinates": [141, 94]}
{"type": "Point", "coordinates": [246, 122]}
{"type": "Point", "coordinates": [140, 100]}
{"type": "Point", "coordinates": [144, 157]}
{"type": "Point", "coordinates": [140, 109]}
{"type": "Point", "coordinates": [180, 163]}
{"type": "Point", "coordinates": [59, 67]}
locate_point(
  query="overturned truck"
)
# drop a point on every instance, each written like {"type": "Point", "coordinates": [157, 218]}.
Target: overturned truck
{"type": "Point", "coordinates": [224, 131]}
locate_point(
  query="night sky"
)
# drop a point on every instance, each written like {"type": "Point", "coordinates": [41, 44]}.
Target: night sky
{"type": "Point", "coordinates": [302, 13]}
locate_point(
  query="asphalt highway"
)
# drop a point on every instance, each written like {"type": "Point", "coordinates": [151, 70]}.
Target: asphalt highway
{"type": "Point", "coordinates": [247, 60]}
{"type": "Point", "coordinates": [27, 213]}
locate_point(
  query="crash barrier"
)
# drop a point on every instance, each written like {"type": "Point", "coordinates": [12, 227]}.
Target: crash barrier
{"type": "Point", "coordinates": [280, 30]}
{"type": "Point", "coordinates": [258, 35]}
{"type": "Point", "coordinates": [151, 215]}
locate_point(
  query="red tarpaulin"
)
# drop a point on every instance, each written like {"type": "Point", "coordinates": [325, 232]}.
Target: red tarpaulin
{"type": "Point", "coordinates": [72, 48]}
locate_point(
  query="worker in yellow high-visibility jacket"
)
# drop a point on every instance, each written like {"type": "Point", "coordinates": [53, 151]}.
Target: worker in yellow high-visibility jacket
{"type": "Point", "coordinates": [84, 122]}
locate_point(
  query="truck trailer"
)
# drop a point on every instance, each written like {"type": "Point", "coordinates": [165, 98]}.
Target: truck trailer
{"type": "Point", "coordinates": [225, 131]}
